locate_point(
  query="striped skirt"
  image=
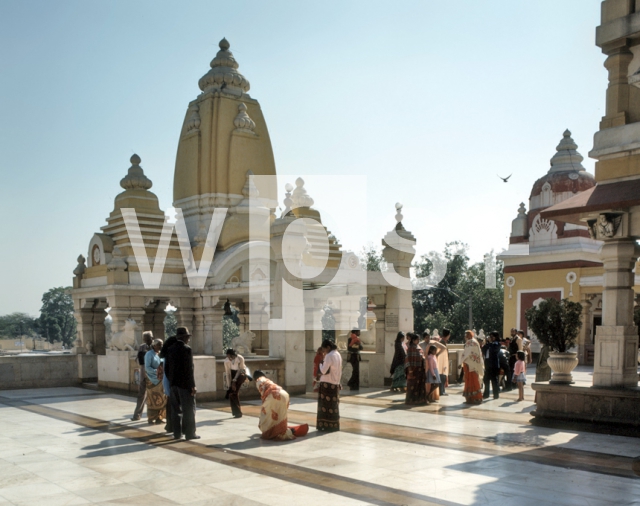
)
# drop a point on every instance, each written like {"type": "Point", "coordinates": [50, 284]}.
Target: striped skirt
{"type": "Point", "coordinates": [328, 407]}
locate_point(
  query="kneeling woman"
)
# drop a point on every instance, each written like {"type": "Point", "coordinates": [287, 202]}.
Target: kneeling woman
{"type": "Point", "coordinates": [330, 373]}
{"type": "Point", "coordinates": [273, 421]}
{"type": "Point", "coordinates": [156, 400]}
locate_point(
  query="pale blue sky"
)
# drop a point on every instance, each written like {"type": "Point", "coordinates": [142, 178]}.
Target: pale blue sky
{"type": "Point", "coordinates": [428, 99]}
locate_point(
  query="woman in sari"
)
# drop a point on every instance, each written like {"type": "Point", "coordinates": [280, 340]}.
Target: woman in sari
{"type": "Point", "coordinates": [156, 399]}
{"type": "Point", "coordinates": [273, 414]}
{"type": "Point", "coordinates": [330, 374]}
{"type": "Point", "coordinates": [415, 371]}
{"type": "Point", "coordinates": [398, 379]}
{"type": "Point", "coordinates": [473, 366]}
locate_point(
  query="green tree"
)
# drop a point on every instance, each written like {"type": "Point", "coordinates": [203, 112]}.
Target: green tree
{"type": "Point", "coordinates": [170, 324]}
{"type": "Point", "coordinates": [442, 273]}
{"type": "Point", "coordinates": [328, 324]}
{"type": "Point", "coordinates": [230, 328]}
{"type": "Point", "coordinates": [371, 258]}
{"type": "Point", "coordinates": [446, 281]}
{"type": "Point", "coordinates": [15, 325]}
{"type": "Point", "coordinates": [556, 323]}
{"type": "Point", "coordinates": [56, 320]}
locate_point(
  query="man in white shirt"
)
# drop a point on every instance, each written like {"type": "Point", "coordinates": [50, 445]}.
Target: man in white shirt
{"type": "Point", "coordinates": [236, 373]}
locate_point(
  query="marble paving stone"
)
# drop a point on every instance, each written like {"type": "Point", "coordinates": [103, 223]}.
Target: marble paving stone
{"type": "Point", "coordinates": [461, 456]}
{"type": "Point", "coordinates": [186, 495]}
{"type": "Point", "coordinates": [110, 492]}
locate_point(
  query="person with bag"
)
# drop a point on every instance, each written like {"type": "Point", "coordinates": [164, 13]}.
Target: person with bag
{"type": "Point", "coordinates": [147, 338]}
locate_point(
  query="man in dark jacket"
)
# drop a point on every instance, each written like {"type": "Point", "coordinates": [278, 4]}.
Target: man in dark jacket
{"type": "Point", "coordinates": [491, 354]}
{"type": "Point", "coordinates": [179, 371]}
{"type": "Point", "coordinates": [166, 383]}
{"type": "Point", "coordinates": [504, 365]}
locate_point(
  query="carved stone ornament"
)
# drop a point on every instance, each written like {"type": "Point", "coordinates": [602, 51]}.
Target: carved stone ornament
{"type": "Point", "coordinates": [135, 178]}
{"type": "Point", "coordinates": [605, 226]}
{"type": "Point", "coordinates": [193, 121]}
{"type": "Point", "coordinates": [608, 226]}
{"type": "Point", "coordinates": [80, 268]}
{"type": "Point", "coordinates": [118, 262]}
{"type": "Point", "coordinates": [243, 122]}
{"type": "Point", "coordinates": [300, 196]}
{"type": "Point", "coordinates": [224, 75]}
{"type": "Point", "coordinates": [510, 282]}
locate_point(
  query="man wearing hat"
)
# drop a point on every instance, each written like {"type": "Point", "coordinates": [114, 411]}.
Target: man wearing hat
{"type": "Point", "coordinates": [179, 371]}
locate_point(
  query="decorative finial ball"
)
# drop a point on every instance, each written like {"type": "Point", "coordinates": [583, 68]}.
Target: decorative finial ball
{"type": "Point", "coordinates": [567, 133]}
{"type": "Point", "coordinates": [398, 206]}
{"type": "Point", "coordinates": [288, 187]}
{"type": "Point", "coordinates": [299, 182]}
{"type": "Point", "coordinates": [224, 44]}
{"type": "Point", "coordinates": [135, 159]}
{"type": "Point", "coordinates": [242, 107]}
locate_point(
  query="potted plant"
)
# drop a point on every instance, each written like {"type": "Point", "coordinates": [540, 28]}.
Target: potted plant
{"type": "Point", "coordinates": [557, 324]}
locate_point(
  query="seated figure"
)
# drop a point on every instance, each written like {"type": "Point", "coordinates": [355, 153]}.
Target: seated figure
{"type": "Point", "coordinates": [273, 414]}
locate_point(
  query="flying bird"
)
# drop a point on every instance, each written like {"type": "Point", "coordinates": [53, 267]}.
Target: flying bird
{"type": "Point", "coordinates": [505, 179]}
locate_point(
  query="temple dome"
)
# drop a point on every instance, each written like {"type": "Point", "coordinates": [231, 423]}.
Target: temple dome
{"type": "Point", "coordinates": [565, 177]}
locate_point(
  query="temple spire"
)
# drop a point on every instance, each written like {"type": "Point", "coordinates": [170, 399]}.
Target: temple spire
{"type": "Point", "coordinates": [135, 178]}
{"type": "Point", "coordinates": [567, 157]}
{"type": "Point", "coordinates": [224, 75]}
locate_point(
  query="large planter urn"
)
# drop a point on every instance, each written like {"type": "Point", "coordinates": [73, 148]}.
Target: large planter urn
{"type": "Point", "coordinates": [561, 364]}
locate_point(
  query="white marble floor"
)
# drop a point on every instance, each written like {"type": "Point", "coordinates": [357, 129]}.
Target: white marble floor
{"type": "Point", "coordinates": [78, 446]}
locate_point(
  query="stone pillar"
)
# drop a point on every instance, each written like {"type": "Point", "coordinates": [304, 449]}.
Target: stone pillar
{"type": "Point", "coordinates": [99, 330]}
{"type": "Point", "coordinates": [346, 319]}
{"type": "Point", "coordinates": [398, 252]}
{"type": "Point", "coordinates": [213, 331]}
{"type": "Point", "coordinates": [618, 91]}
{"type": "Point", "coordinates": [84, 328]}
{"type": "Point", "coordinates": [197, 341]}
{"type": "Point", "coordinates": [286, 332]}
{"type": "Point", "coordinates": [158, 320]}
{"type": "Point", "coordinates": [313, 338]}
{"type": "Point", "coordinates": [616, 345]}
{"type": "Point", "coordinates": [585, 331]}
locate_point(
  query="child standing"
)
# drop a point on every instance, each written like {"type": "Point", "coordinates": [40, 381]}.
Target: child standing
{"type": "Point", "coordinates": [520, 374]}
{"type": "Point", "coordinates": [433, 376]}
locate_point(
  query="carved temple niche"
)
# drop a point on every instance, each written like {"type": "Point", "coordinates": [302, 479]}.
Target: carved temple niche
{"type": "Point", "coordinates": [99, 329]}
{"type": "Point", "coordinates": [90, 320]}
{"type": "Point", "coordinates": [154, 317]}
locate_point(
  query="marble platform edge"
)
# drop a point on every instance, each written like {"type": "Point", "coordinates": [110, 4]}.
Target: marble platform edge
{"type": "Point", "coordinates": [599, 405]}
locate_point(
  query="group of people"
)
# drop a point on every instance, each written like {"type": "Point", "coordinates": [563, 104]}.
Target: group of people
{"type": "Point", "coordinates": [420, 367]}
{"type": "Point", "coordinates": [167, 384]}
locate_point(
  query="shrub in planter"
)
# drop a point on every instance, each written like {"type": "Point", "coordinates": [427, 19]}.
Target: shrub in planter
{"type": "Point", "coordinates": [556, 323]}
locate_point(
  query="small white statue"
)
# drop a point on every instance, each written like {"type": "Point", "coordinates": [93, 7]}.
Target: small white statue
{"type": "Point", "coordinates": [242, 343]}
{"type": "Point", "coordinates": [89, 348]}
{"type": "Point", "coordinates": [126, 339]}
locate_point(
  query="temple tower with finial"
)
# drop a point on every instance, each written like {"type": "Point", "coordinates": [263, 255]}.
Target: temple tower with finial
{"type": "Point", "coordinates": [224, 135]}
{"type": "Point", "coordinates": [545, 255]}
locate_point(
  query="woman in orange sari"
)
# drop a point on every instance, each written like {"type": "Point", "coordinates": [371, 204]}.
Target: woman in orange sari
{"type": "Point", "coordinates": [473, 366]}
{"type": "Point", "coordinates": [273, 416]}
